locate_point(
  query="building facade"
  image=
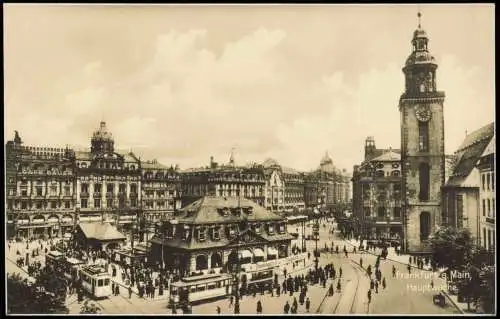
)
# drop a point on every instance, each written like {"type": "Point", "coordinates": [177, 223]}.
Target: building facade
{"type": "Point", "coordinates": [377, 194]}
{"type": "Point", "coordinates": [486, 167]}
{"type": "Point", "coordinates": [284, 187]}
{"type": "Point", "coordinates": [39, 190]}
{"type": "Point", "coordinates": [462, 203]}
{"type": "Point", "coordinates": [422, 146]}
{"type": "Point", "coordinates": [214, 232]}
{"type": "Point", "coordinates": [108, 182]}
{"type": "Point", "coordinates": [223, 181]}
{"type": "Point", "coordinates": [160, 188]}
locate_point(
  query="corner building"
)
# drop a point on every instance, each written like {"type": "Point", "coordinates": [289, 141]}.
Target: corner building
{"type": "Point", "coordinates": [422, 146]}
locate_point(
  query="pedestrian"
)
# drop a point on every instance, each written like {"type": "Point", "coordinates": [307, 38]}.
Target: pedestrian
{"type": "Point", "coordinates": [369, 296]}
{"type": "Point", "coordinates": [384, 283]}
{"type": "Point", "coordinates": [361, 262]}
{"type": "Point", "coordinates": [308, 304]}
{"type": "Point", "coordinates": [278, 290]}
{"type": "Point", "coordinates": [409, 269]}
{"type": "Point", "coordinates": [376, 287]}
{"type": "Point", "coordinates": [330, 291]}
{"type": "Point", "coordinates": [129, 292]}
{"type": "Point", "coordinates": [218, 310]}
{"type": "Point", "coordinates": [393, 271]}
{"type": "Point", "coordinates": [231, 301]}
{"type": "Point", "coordinates": [286, 309]}
{"type": "Point", "coordinates": [338, 286]}
{"type": "Point", "coordinates": [295, 304]}
{"type": "Point", "coordinates": [432, 283]}
{"type": "Point", "coordinates": [259, 307]}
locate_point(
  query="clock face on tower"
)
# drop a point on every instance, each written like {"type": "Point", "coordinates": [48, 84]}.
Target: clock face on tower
{"type": "Point", "coordinates": [423, 113]}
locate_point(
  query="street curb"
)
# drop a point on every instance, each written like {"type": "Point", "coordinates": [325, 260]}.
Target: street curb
{"type": "Point", "coordinates": [453, 302]}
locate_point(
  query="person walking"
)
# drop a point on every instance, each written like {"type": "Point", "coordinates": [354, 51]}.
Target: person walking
{"type": "Point", "coordinates": [129, 292]}
{"type": "Point", "coordinates": [393, 271]}
{"type": "Point", "coordinates": [369, 296]}
{"type": "Point", "coordinates": [286, 308]}
{"type": "Point", "coordinates": [409, 269]}
{"type": "Point", "coordinates": [218, 310]}
{"type": "Point", "coordinates": [339, 286]}
{"type": "Point", "coordinates": [361, 262]}
{"type": "Point", "coordinates": [259, 307]}
{"type": "Point", "coordinates": [340, 272]}
{"type": "Point", "coordinates": [308, 304]}
{"type": "Point", "coordinates": [231, 299]}
{"type": "Point", "coordinates": [376, 286]}
{"type": "Point", "coordinates": [384, 284]}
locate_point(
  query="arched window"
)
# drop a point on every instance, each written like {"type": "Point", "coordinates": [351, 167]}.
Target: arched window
{"type": "Point", "coordinates": [423, 136]}
{"type": "Point", "coordinates": [395, 173]}
{"type": "Point", "coordinates": [425, 225]}
{"type": "Point", "coordinates": [424, 181]}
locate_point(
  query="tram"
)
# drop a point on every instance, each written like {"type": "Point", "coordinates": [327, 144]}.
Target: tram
{"type": "Point", "coordinates": [96, 281]}
{"type": "Point", "coordinates": [255, 280]}
{"type": "Point", "coordinates": [71, 266]}
{"type": "Point", "coordinates": [53, 259]}
{"type": "Point", "coordinates": [191, 290]}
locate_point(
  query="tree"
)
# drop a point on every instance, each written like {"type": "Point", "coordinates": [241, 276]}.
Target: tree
{"type": "Point", "coordinates": [452, 248]}
{"type": "Point", "coordinates": [89, 308]}
{"type": "Point", "coordinates": [24, 297]}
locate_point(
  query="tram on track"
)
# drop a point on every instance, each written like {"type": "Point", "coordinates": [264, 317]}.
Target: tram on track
{"type": "Point", "coordinates": [96, 281]}
{"type": "Point", "coordinates": [192, 290]}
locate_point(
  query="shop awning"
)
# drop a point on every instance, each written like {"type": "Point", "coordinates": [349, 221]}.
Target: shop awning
{"type": "Point", "coordinates": [38, 220]}
{"type": "Point", "coordinates": [67, 219]}
{"type": "Point", "coordinates": [257, 252]}
{"type": "Point", "coordinates": [245, 254]}
{"type": "Point", "coordinates": [272, 251]}
{"type": "Point", "coordinates": [53, 219]}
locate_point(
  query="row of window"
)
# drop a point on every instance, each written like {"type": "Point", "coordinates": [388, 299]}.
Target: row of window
{"type": "Point", "coordinates": [109, 203]}
{"type": "Point", "coordinates": [491, 206]}
{"type": "Point", "coordinates": [201, 233]}
{"type": "Point", "coordinates": [109, 188]}
{"type": "Point", "coordinates": [488, 181]}
{"type": "Point", "coordinates": [490, 242]}
{"type": "Point", "coordinates": [383, 212]}
{"type": "Point", "coordinates": [38, 205]}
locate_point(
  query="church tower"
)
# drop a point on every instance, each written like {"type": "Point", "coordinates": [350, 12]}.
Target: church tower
{"type": "Point", "coordinates": [422, 146]}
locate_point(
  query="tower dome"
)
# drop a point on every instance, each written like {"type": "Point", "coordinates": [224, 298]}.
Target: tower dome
{"type": "Point", "coordinates": [102, 141]}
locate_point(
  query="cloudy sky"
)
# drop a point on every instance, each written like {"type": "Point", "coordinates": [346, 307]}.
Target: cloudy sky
{"type": "Point", "coordinates": [289, 82]}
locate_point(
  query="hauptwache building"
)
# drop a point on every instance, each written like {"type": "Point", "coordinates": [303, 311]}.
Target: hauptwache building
{"type": "Point", "coordinates": [209, 235]}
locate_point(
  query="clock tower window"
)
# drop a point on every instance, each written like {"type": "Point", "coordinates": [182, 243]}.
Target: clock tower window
{"type": "Point", "coordinates": [423, 136]}
{"type": "Point", "coordinates": [424, 181]}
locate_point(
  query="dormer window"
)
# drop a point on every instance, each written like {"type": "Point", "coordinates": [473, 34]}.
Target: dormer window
{"type": "Point", "coordinates": [257, 228]}
{"type": "Point", "coordinates": [224, 212]}
{"type": "Point", "coordinates": [281, 228]}
{"type": "Point", "coordinates": [201, 233]}
{"type": "Point", "coordinates": [186, 233]}
{"type": "Point", "coordinates": [249, 210]}
{"type": "Point", "coordinates": [231, 230]}
{"type": "Point", "coordinates": [270, 228]}
{"type": "Point", "coordinates": [215, 233]}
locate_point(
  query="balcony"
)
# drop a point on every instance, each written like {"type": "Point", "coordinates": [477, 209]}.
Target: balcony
{"type": "Point", "coordinates": [109, 194]}
{"type": "Point", "coordinates": [97, 194]}
{"type": "Point", "coordinates": [84, 194]}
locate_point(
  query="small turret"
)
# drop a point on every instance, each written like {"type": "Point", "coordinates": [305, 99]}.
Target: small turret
{"type": "Point", "coordinates": [369, 147]}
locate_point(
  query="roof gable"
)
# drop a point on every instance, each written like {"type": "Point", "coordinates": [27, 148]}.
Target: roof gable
{"type": "Point", "coordinates": [100, 231]}
{"type": "Point", "coordinates": [248, 237]}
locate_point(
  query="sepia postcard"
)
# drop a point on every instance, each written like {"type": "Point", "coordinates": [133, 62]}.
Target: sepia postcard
{"type": "Point", "coordinates": [291, 159]}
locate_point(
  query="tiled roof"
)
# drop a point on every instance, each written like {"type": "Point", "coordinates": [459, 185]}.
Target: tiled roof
{"type": "Point", "coordinates": [379, 151]}
{"type": "Point", "coordinates": [87, 155]}
{"type": "Point", "coordinates": [485, 132]}
{"type": "Point", "coordinates": [388, 156]}
{"type": "Point", "coordinates": [153, 165]}
{"type": "Point", "coordinates": [205, 211]}
{"type": "Point", "coordinates": [469, 153]}
{"type": "Point", "coordinates": [100, 231]}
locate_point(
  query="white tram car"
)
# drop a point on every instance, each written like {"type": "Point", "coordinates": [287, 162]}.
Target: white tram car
{"type": "Point", "coordinates": [96, 281]}
{"type": "Point", "coordinates": [198, 288]}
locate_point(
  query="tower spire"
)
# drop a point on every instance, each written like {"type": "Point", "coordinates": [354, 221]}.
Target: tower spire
{"type": "Point", "coordinates": [419, 15]}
